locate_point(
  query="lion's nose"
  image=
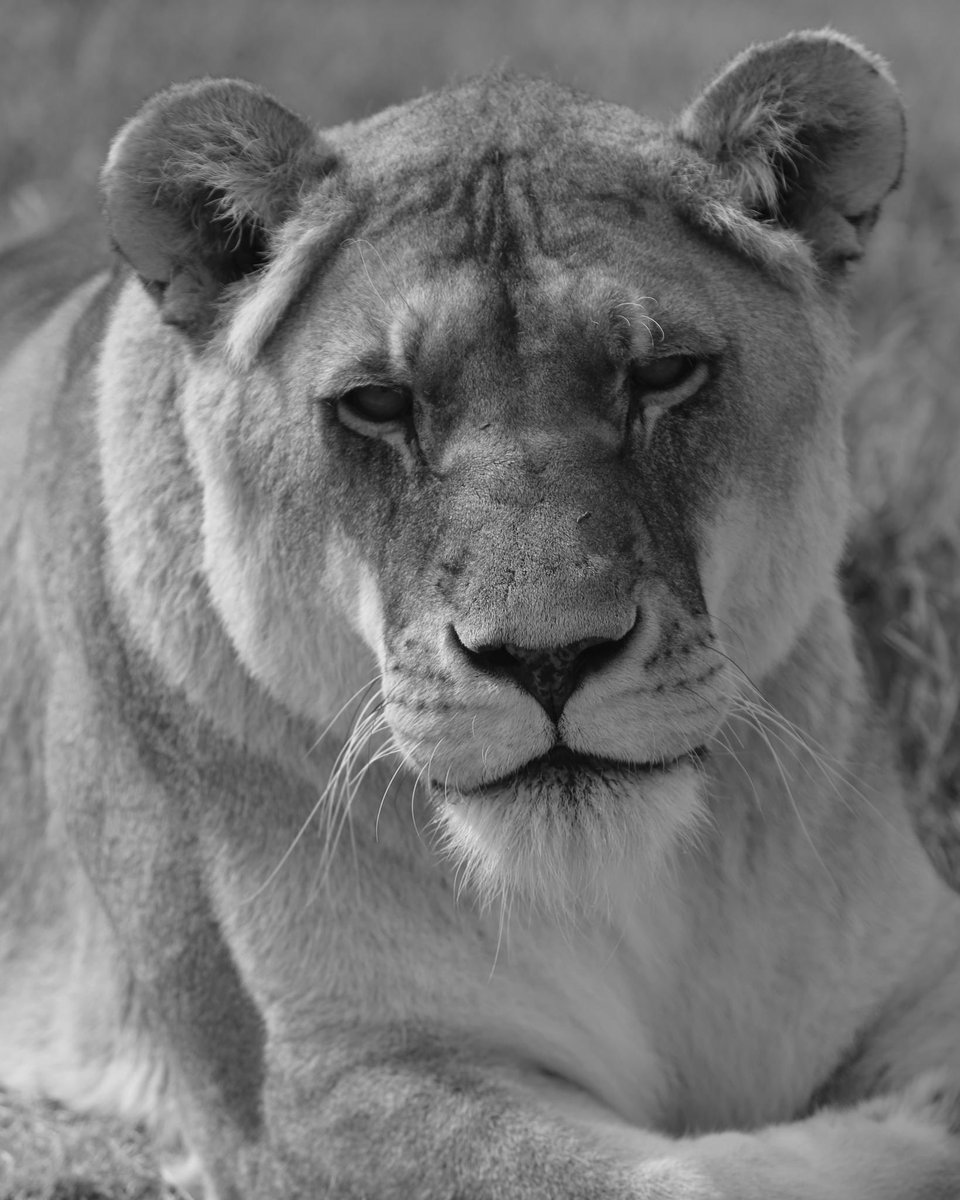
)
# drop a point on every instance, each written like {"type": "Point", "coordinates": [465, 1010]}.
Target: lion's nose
{"type": "Point", "coordinates": [550, 675]}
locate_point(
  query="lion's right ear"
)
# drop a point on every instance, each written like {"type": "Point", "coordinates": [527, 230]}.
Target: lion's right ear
{"type": "Point", "coordinates": [196, 183]}
{"type": "Point", "coordinates": [810, 131]}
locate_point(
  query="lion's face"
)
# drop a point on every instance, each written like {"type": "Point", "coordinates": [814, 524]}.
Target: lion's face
{"type": "Point", "coordinates": [568, 469]}
{"type": "Point", "coordinates": [529, 403]}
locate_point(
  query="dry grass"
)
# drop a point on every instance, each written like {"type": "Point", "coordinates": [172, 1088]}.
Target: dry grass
{"type": "Point", "coordinates": [47, 1153]}
{"type": "Point", "coordinates": [71, 70]}
{"type": "Point", "coordinates": [903, 572]}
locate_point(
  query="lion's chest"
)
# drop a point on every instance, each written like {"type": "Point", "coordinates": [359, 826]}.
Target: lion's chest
{"type": "Point", "coordinates": [686, 1018]}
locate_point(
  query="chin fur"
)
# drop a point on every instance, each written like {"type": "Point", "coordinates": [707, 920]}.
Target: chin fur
{"type": "Point", "coordinates": [564, 850]}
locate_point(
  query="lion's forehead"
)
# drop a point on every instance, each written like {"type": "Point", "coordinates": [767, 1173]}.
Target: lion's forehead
{"type": "Point", "coordinates": [502, 112]}
{"type": "Point", "coordinates": [504, 153]}
{"type": "Point", "coordinates": [521, 181]}
{"type": "Point", "coordinates": [499, 205]}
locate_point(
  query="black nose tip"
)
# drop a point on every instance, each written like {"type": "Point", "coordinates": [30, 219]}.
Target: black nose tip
{"type": "Point", "coordinates": [550, 675]}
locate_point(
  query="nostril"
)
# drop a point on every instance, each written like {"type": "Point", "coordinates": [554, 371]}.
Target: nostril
{"type": "Point", "coordinates": [550, 675]}
{"type": "Point", "coordinates": [562, 654]}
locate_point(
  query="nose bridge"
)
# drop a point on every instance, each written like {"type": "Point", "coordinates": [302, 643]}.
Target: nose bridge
{"type": "Point", "coordinates": [549, 542]}
{"type": "Point", "coordinates": [532, 468]}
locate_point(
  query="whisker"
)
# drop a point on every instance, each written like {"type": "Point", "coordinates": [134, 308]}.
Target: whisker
{"type": "Point", "coordinates": [761, 730]}
{"type": "Point", "coordinates": [400, 765]}
{"type": "Point", "coordinates": [364, 725]}
{"type": "Point", "coordinates": [841, 779]}
{"type": "Point", "coordinates": [729, 628]}
{"type": "Point", "coordinates": [833, 769]}
{"type": "Point", "coordinates": [758, 695]}
{"type": "Point", "coordinates": [349, 781]}
{"type": "Point", "coordinates": [503, 923]}
{"type": "Point", "coordinates": [339, 713]}
{"type": "Point", "coordinates": [416, 783]}
{"type": "Point", "coordinates": [721, 737]}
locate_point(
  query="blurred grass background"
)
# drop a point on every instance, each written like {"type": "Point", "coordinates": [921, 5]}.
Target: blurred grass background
{"type": "Point", "coordinates": [72, 70]}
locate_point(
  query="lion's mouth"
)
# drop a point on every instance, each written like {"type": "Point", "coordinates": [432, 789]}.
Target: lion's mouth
{"type": "Point", "coordinates": [561, 768]}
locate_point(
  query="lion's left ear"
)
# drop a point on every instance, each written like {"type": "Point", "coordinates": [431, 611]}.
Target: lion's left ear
{"type": "Point", "coordinates": [810, 129]}
{"type": "Point", "coordinates": [197, 183]}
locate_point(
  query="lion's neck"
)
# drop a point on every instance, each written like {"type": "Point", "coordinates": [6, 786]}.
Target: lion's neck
{"type": "Point", "coordinates": [804, 767]}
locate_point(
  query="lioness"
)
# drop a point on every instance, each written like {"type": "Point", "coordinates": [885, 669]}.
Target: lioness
{"type": "Point", "coordinates": [435, 759]}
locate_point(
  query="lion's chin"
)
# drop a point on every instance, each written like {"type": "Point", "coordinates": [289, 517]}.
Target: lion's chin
{"type": "Point", "coordinates": [567, 832]}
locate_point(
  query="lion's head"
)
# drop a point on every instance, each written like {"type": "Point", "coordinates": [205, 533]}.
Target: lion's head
{"type": "Point", "coordinates": [540, 401]}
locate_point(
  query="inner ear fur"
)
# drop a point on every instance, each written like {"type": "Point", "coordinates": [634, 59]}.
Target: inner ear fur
{"type": "Point", "coordinates": [195, 184]}
{"type": "Point", "coordinates": [810, 130]}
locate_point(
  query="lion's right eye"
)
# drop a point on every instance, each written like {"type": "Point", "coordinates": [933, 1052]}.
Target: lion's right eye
{"type": "Point", "coordinates": [365, 408]}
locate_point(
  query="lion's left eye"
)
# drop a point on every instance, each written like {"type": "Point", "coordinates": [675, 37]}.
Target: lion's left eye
{"type": "Point", "coordinates": [669, 373]}
{"type": "Point", "coordinates": [376, 405]}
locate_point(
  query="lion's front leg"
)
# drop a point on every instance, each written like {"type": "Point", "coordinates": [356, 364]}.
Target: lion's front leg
{"type": "Point", "coordinates": [420, 1119]}
{"type": "Point", "coordinates": [898, 1147]}
{"type": "Point", "coordinates": [415, 1118]}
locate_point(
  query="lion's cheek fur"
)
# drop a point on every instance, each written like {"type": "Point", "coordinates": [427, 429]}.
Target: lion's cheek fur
{"type": "Point", "coordinates": [219, 579]}
{"type": "Point", "coordinates": [761, 597]}
{"type": "Point", "coordinates": [278, 573]}
{"type": "Point", "coordinates": [769, 549]}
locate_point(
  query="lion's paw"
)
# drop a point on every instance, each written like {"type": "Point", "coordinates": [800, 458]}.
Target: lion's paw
{"type": "Point", "coordinates": [670, 1178]}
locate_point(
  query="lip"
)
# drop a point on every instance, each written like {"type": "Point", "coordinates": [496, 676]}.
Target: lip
{"type": "Point", "coordinates": [562, 764]}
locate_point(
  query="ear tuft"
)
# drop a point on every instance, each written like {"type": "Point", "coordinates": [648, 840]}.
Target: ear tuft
{"type": "Point", "coordinates": [197, 182]}
{"type": "Point", "coordinates": [810, 131]}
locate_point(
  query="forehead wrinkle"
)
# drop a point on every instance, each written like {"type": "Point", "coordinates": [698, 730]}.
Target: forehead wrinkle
{"type": "Point", "coordinates": [405, 333]}
{"type": "Point", "coordinates": [604, 311]}
{"type": "Point", "coordinates": [445, 309]}
{"type": "Point", "coordinates": [386, 341]}
{"type": "Point", "coordinates": [270, 294]}
{"type": "Point", "coordinates": [441, 307]}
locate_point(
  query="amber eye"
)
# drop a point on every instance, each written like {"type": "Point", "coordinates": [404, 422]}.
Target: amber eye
{"type": "Point", "coordinates": [375, 405]}
{"type": "Point", "coordinates": [665, 373]}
